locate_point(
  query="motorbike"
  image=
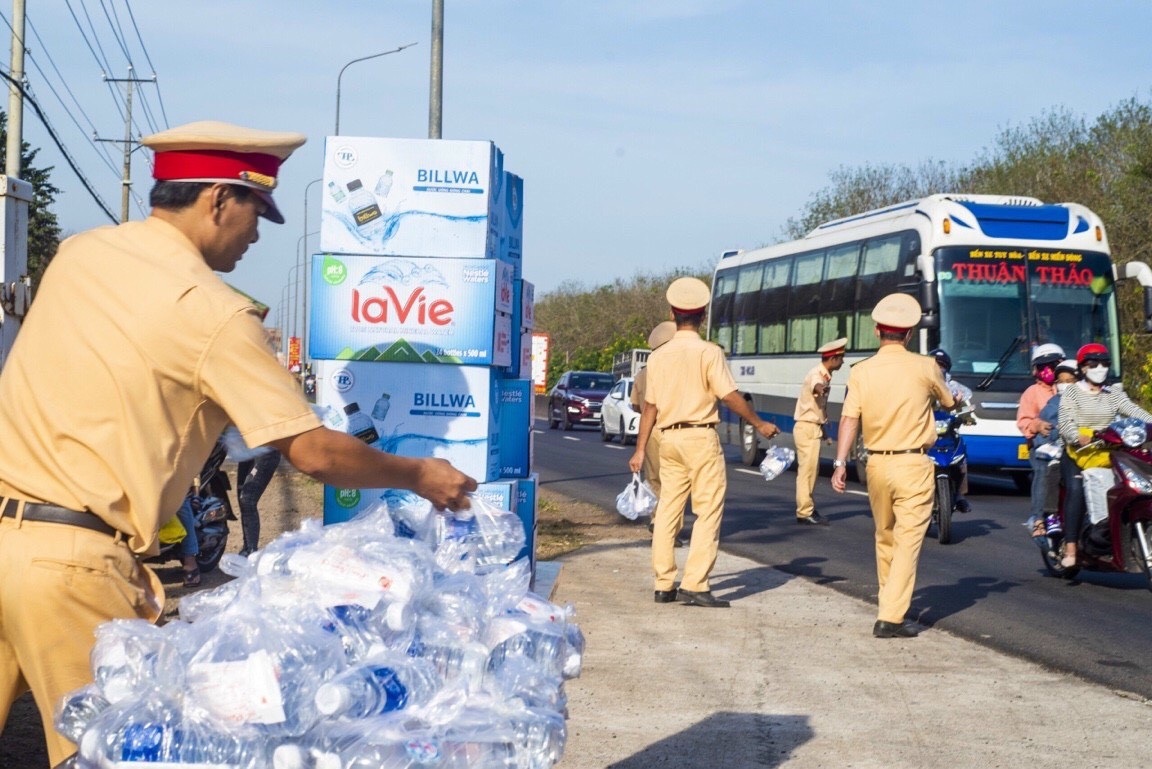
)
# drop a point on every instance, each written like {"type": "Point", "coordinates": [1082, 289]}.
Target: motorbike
{"type": "Point", "coordinates": [211, 509]}
{"type": "Point", "coordinates": [948, 454]}
{"type": "Point", "coordinates": [1120, 542]}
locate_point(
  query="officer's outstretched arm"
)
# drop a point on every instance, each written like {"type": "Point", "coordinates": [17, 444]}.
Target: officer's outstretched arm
{"type": "Point", "coordinates": [735, 401]}
{"type": "Point", "coordinates": [849, 426]}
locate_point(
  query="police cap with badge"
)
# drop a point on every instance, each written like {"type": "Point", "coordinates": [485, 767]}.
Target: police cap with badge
{"type": "Point", "coordinates": [215, 152]}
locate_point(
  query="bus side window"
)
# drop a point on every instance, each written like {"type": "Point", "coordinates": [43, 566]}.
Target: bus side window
{"type": "Point", "coordinates": [772, 317]}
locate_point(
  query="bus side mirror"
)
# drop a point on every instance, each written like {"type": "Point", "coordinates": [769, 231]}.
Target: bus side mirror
{"type": "Point", "coordinates": [1143, 275]}
{"type": "Point", "coordinates": [929, 299]}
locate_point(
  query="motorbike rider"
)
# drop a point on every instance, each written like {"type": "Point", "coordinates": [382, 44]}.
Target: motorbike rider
{"type": "Point", "coordinates": [1034, 429]}
{"type": "Point", "coordinates": [1085, 407]}
{"type": "Point", "coordinates": [944, 361]}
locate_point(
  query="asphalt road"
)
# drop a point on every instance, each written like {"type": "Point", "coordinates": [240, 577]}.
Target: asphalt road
{"type": "Point", "coordinates": [989, 585]}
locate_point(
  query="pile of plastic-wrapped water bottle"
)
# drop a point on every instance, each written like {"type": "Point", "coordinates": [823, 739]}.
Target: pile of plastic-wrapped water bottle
{"type": "Point", "coordinates": [403, 638]}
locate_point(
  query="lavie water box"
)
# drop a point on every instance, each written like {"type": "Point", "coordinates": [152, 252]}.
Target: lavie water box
{"type": "Point", "coordinates": [416, 410]}
{"type": "Point", "coordinates": [414, 197]}
{"type": "Point", "coordinates": [411, 309]}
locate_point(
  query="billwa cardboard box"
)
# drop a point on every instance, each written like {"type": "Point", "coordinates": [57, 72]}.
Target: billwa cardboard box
{"type": "Point", "coordinates": [416, 410]}
{"type": "Point", "coordinates": [419, 197]}
{"type": "Point", "coordinates": [413, 309]}
{"type": "Point", "coordinates": [343, 504]}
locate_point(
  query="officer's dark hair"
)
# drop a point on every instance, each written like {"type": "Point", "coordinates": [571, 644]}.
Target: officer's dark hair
{"type": "Point", "coordinates": [695, 318]}
{"type": "Point", "coordinates": [894, 336]}
{"type": "Point", "coordinates": [177, 195]}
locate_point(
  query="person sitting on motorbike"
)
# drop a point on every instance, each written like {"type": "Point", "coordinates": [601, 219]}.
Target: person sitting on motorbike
{"type": "Point", "coordinates": [1086, 407]}
{"type": "Point", "coordinates": [944, 360]}
{"type": "Point", "coordinates": [1033, 428]}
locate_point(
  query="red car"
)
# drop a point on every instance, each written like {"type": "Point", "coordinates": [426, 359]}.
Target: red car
{"type": "Point", "coordinates": [577, 397]}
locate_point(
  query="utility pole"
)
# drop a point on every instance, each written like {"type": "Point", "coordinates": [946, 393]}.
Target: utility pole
{"type": "Point", "coordinates": [436, 86]}
{"type": "Point", "coordinates": [15, 98]}
{"type": "Point", "coordinates": [126, 183]}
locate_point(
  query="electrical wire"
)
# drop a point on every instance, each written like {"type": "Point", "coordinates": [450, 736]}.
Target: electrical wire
{"type": "Point", "coordinates": [148, 59]}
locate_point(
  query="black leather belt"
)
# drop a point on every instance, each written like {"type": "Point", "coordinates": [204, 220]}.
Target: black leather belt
{"type": "Point", "coordinates": [898, 451]}
{"type": "Point", "coordinates": [34, 511]}
{"type": "Point", "coordinates": [684, 426]}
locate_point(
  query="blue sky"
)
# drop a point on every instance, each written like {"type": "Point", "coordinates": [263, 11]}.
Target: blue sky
{"type": "Point", "coordinates": [651, 134]}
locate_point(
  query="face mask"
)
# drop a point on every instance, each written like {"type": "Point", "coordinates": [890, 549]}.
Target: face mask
{"type": "Point", "coordinates": [1061, 387]}
{"type": "Point", "coordinates": [1046, 375]}
{"type": "Point", "coordinates": [1097, 374]}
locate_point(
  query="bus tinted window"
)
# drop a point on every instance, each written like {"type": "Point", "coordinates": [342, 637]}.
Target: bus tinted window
{"type": "Point", "coordinates": [881, 255]}
{"type": "Point", "coordinates": [809, 269]}
{"type": "Point", "coordinates": [720, 318]}
{"type": "Point", "coordinates": [745, 316]}
{"type": "Point", "coordinates": [773, 308]}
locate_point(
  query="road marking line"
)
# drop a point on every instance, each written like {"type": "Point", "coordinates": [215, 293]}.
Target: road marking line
{"type": "Point", "coordinates": [614, 448]}
{"type": "Point", "coordinates": [857, 493]}
{"type": "Point", "coordinates": [746, 470]}
{"type": "Point", "coordinates": [570, 438]}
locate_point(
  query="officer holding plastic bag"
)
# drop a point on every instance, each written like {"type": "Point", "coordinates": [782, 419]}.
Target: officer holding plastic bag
{"type": "Point", "coordinates": [133, 358]}
{"type": "Point", "coordinates": [686, 377]}
{"type": "Point", "coordinates": [890, 398]}
{"type": "Point", "coordinates": [811, 415]}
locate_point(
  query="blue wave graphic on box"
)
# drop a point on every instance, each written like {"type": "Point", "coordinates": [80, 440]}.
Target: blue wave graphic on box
{"type": "Point", "coordinates": [390, 223]}
{"type": "Point", "coordinates": [405, 273]}
{"type": "Point", "coordinates": [416, 445]}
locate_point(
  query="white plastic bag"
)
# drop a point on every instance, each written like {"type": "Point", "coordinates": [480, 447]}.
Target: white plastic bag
{"type": "Point", "coordinates": [636, 500]}
{"type": "Point", "coordinates": [1097, 481]}
{"type": "Point", "coordinates": [777, 459]}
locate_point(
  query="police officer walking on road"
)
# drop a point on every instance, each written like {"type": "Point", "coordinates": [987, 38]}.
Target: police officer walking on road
{"type": "Point", "coordinates": [660, 334]}
{"type": "Point", "coordinates": [687, 376]}
{"type": "Point", "coordinates": [811, 416]}
{"type": "Point", "coordinates": [890, 398]}
{"type": "Point", "coordinates": [132, 360]}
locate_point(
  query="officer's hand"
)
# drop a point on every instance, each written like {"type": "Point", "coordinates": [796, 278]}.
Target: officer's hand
{"type": "Point", "coordinates": [637, 461]}
{"type": "Point", "coordinates": [768, 430]}
{"type": "Point", "coordinates": [443, 485]}
{"type": "Point", "coordinates": [839, 479]}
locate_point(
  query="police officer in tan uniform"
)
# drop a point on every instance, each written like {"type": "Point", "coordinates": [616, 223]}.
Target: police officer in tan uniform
{"type": "Point", "coordinates": [134, 357]}
{"type": "Point", "coordinates": [890, 398]}
{"type": "Point", "coordinates": [660, 334]}
{"type": "Point", "coordinates": [687, 376]}
{"type": "Point", "coordinates": [811, 416]}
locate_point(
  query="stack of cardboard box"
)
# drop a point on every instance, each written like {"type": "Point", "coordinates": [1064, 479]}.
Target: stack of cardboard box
{"type": "Point", "coordinates": [421, 321]}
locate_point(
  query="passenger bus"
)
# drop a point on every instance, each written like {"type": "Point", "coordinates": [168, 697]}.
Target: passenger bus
{"type": "Point", "coordinates": [995, 277]}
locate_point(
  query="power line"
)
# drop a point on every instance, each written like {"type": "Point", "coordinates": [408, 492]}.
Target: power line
{"type": "Point", "coordinates": [60, 146]}
{"type": "Point", "coordinates": [148, 59]}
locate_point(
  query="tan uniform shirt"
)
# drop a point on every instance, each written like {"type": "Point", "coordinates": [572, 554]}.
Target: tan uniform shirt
{"type": "Point", "coordinates": [639, 387]}
{"type": "Point", "coordinates": [892, 393]}
{"type": "Point", "coordinates": [688, 376]}
{"type": "Point", "coordinates": [134, 357]}
{"type": "Point", "coordinates": [811, 407]}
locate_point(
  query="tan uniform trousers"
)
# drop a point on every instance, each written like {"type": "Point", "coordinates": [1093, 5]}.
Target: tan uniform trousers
{"type": "Point", "coordinates": [900, 490]}
{"type": "Point", "coordinates": [807, 436]}
{"type": "Point", "coordinates": [691, 462]}
{"type": "Point", "coordinates": [57, 584]}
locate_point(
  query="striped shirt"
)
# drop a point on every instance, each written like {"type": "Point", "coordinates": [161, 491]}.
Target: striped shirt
{"type": "Point", "coordinates": [1080, 408]}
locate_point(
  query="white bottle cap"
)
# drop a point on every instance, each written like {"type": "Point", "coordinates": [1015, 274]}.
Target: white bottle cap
{"type": "Point", "coordinates": [288, 757]}
{"type": "Point", "coordinates": [332, 698]}
{"type": "Point", "coordinates": [398, 616]}
{"type": "Point", "coordinates": [328, 761]}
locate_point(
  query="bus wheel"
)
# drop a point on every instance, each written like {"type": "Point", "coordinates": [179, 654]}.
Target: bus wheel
{"type": "Point", "coordinates": [750, 452]}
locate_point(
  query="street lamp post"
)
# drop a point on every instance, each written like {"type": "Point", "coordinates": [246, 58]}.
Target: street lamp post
{"type": "Point", "coordinates": [349, 64]}
{"type": "Point", "coordinates": [307, 273]}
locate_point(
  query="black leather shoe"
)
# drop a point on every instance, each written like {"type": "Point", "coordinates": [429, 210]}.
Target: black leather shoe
{"type": "Point", "coordinates": [963, 505]}
{"type": "Point", "coordinates": [884, 629]}
{"type": "Point", "coordinates": [666, 596]}
{"type": "Point", "coordinates": [689, 598]}
{"type": "Point", "coordinates": [813, 520]}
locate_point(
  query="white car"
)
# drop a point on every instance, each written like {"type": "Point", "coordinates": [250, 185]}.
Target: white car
{"type": "Point", "coordinates": [617, 417]}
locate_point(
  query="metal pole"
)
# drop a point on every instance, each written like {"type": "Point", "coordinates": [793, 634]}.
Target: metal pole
{"type": "Point", "coordinates": [436, 84]}
{"type": "Point", "coordinates": [127, 181]}
{"type": "Point", "coordinates": [349, 64]}
{"type": "Point", "coordinates": [15, 143]}
{"type": "Point", "coordinates": [307, 273]}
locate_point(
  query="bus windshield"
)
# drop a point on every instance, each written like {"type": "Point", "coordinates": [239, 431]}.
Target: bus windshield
{"type": "Point", "coordinates": [997, 304]}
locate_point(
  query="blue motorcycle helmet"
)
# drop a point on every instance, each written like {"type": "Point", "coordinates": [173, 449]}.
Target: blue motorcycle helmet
{"type": "Point", "coordinates": [943, 359]}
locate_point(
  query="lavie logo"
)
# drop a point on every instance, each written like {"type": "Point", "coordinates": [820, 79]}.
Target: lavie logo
{"type": "Point", "coordinates": [415, 308]}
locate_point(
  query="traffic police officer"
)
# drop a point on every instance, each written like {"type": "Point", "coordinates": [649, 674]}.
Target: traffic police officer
{"type": "Point", "coordinates": [133, 358]}
{"type": "Point", "coordinates": [890, 398]}
{"type": "Point", "coordinates": [811, 416]}
{"type": "Point", "coordinates": [687, 376]}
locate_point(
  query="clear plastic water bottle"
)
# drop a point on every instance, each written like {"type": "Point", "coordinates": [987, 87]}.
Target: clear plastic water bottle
{"type": "Point", "coordinates": [77, 709]}
{"type": "Point", "coordinates": [383, 686]}
{"type": "Point", "coordinates": [540, 737]}
{"type": "Point", "coordinates": [777, 459]}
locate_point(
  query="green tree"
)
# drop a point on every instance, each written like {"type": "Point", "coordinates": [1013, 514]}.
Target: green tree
{"type": "Point", "coordinates": [43, 228]}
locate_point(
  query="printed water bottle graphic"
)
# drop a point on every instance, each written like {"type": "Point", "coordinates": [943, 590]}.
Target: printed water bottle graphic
{"type": "Point", "coordinates": [336, 193]}
{"type": "Point", "coordinates": [360, 425]}
{"type": "Point", "coordinates": [380, 410]}
{"type": "Point", "coordinates": [365, 211]}
{"type": "Point", "coordinates": [384, 184]}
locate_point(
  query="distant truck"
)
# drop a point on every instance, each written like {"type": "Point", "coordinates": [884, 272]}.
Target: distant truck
{"type": "Point", "coordinates": [629, 363]}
